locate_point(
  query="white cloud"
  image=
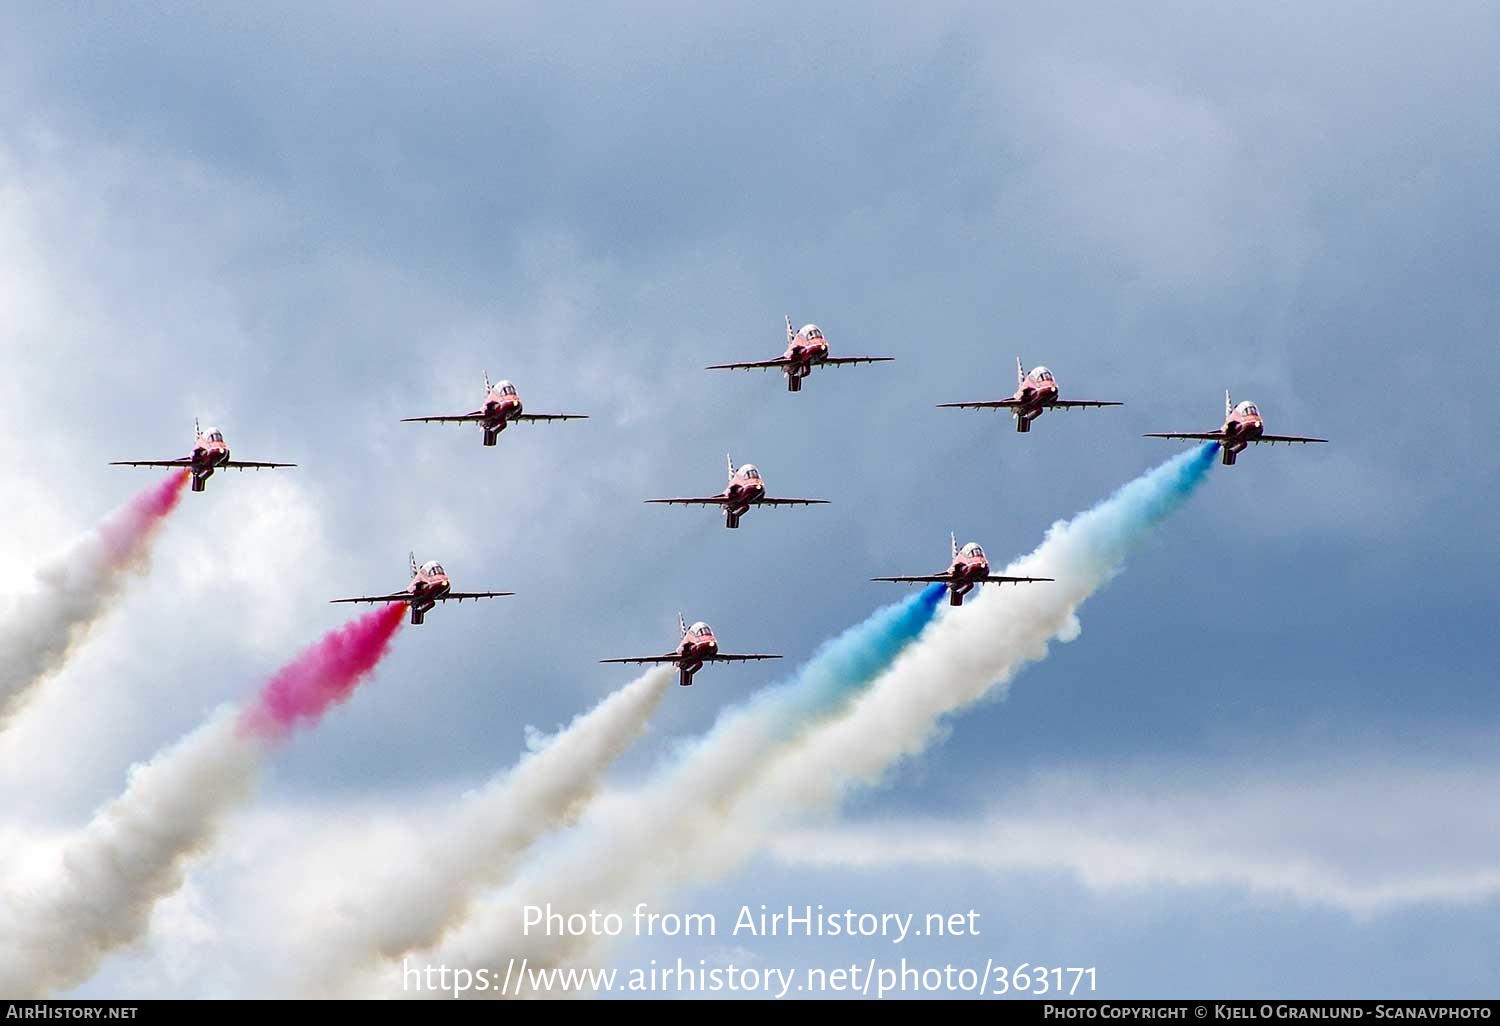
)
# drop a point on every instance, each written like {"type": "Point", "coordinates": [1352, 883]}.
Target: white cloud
{"type": "Point", "coordinates": [1367, 839]}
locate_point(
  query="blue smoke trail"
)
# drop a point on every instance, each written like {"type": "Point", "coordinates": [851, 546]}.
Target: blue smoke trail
{"type": "Point", "coordinates": [1112, 528]}
{"type": "Point", "coordinates": [837, 671]}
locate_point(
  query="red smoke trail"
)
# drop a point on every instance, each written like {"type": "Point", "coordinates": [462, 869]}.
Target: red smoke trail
{"type": "Point", "coordinates": [322, 675]}
{"type": "Point", "coordinates": [126, 532]}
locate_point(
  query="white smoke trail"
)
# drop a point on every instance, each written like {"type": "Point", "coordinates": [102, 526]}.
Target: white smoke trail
{"type": "Point", "coordinates": [705, 816]}
{"type": "Point", "coordinates": [133, 853]}
{"type": "Point", "coordinates": [39, 630]}
{"type": "Point", "coordinates": [477, 844]}
{"type": "Point", "coordinates": [135, 850]}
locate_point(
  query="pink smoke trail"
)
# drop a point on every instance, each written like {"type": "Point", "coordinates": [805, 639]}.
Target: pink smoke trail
{"type": "Point", "coordinates": [322, 675]}
{"type": "Point", "coordinates": [136, 849]}
{"type": "Point", "coordinates": [40, 629]}
{"type": "Point", "coordinates": [126, 532]}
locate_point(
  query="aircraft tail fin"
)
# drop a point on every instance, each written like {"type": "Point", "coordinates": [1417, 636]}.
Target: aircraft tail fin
{"type": "Point", "coordinates": [197, 431]}
{"type": "Point", "coordinates": [682, 624]}
{"type": "Point", "coordinates": [954, 538]}
{"type": "Point", "coordinates": [730, 463]}
{"type": "Point", "coordinates": [1228, 404]}
{"type": "Point", "coordinates": [413, 557]}
{"type": "Point", "coordinates": [487, 385]}
{"type": "Point", "coordinates": [1020, 372]}
{"type": "Point", "coordinates": [790, 334]}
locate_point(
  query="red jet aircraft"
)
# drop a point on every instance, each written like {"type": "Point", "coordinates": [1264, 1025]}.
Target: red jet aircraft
{"type": "Point", "coordinates": [429, 586]}
{"type": "Point", "coordinates": [1242, 425]}
{"type": "Point", "coordinates": [698, 646]}
{"type": "Point", "coordinates": [502, 406]}
{"type": "Point", "coordinates": [805, 349]}
{"type": "Point", "coordinates": [210, 453]}
{"type": "Point", "coordinates": [745, 489]}
{"type": "Point", "coordinates": [970, 568]}
{"type": "Point", "coordinates": [1036, 392]}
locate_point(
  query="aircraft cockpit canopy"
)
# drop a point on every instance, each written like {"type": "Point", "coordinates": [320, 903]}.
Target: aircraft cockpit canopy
{"type": "Point", "coordinates": [749, 471]}
{"type": "Point", "coordinates": [214, 435]}
{"type": "Point", "coordinates": [432, 569]}
{"type": "Point", "coordinates": [1248, 409]}
{"type": "Point", "coordinates": [505, 388]}
{"type": "Point", "coordinates": [700, 629]}
{"type": "Point", "coordinates": [1041, 374]}
{"type": "Point", "coordinates": [811, 332]}
{"type": "Point", "coordinates": [971, 549]}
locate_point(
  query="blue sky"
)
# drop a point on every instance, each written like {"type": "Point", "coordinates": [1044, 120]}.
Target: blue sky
{"type": "Point", "coordinates": [304, 225]}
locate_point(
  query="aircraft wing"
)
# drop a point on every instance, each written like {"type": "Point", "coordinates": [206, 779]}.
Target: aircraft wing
{"type": "Point", "coordinates": [723, 657]}
{"type": "Point", "coordinates": [1286, 438]}
{"type": "Point", "coordinates": [994, 404]}
{"type": "Point", "coordinates": [1002, 579]}
{"type": "Point", "coordinates": [752, 365]}
{"type": "Point", "coordinates": [181, 461]}
{"type": "Point", "coordinates": [459, 596]}
{"type": "Point", "coordinates": [549, 416]}
{"type": "Point", "coordinates": [706, 500]}
{"type": "Point", "coordinates": [840, 361]}
{"type": "Point", "coordinates": [253, 465]}
{"type": "Point", "coordinates": [918, 579]}
{"type": "Point", "coordinates": [1073, 404]}
{"type": "Point", "coordinates": [1204, 436]}
{"type": "Point", "coordinates": [670, 657]}
{"type": "Point", "coordinates": [791, 502]}
{"type": "Point", "coordinates": [395, 596]}
{"type": "Point", "coordinates": [459, 418]}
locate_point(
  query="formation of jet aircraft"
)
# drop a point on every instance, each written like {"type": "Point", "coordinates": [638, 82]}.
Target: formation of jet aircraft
{"type": "Point", "coordinates": [1036, 392]}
